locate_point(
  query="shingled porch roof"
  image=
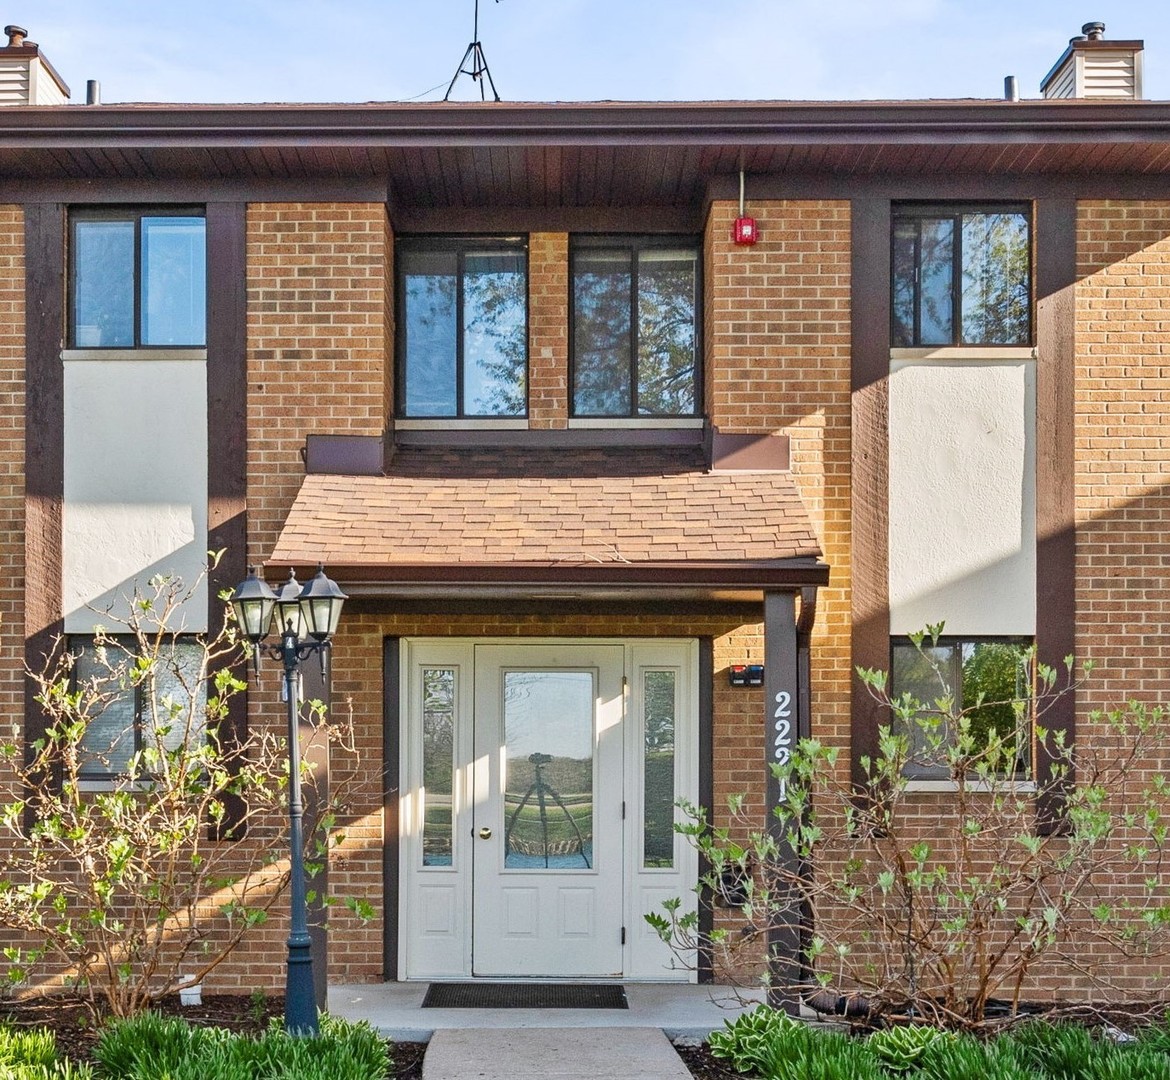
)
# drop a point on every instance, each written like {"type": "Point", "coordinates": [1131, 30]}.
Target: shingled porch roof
{"type": "Point", "coordinates": [461, 522]}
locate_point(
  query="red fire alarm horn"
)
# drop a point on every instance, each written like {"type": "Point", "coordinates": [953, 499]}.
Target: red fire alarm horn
{"type": "Point", "coordinates": [745, 230]}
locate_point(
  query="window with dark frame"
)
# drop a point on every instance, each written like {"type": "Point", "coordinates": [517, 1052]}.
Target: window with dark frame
{"type": "Point", "coordinates": [125, 721]}
{"type": "Point", "coordinates": [138, 278]}
{"type": "Point", "coordinates": [635, 326]}
{"type": "Point", "coordinates": [961, 275]}
{"type": "Point", "coordinates": [462, 328]}
{"type": "Point", "coordinates": [983, 676]}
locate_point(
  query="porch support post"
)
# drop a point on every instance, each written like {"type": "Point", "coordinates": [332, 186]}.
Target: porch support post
{"type": "Point", "coordinates": [782, 722]}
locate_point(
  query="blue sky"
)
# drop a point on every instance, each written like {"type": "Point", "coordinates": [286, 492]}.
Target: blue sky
{"type": "Point", "coordinates": [574, 50]}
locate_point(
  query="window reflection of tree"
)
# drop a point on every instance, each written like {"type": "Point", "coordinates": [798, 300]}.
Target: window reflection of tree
{"type": "Point", "coordinates": [438, 752]}
{"type": "Point", "coordinates": [603, 281]}
{"type": "Point", "coordinates": [494, 332]}
{"type": "Point", "coordinates": [548, 798]}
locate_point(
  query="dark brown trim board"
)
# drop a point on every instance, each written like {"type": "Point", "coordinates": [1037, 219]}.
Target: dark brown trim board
{"type": "Point", "coordinates": [870, 319]}
{"type": "Point", "coordinates": [44, 443]}
{"type": "Point", "coordinates": [1056, 271]}
{"type": "Point", "coordinates": [570, 219]}
{"type": "Point", "coordinates": [638, 124]}
{"type": "Point", "coordinates": [192, 190]}
{"type": "Point", "coordinates": [546, 439]}
{"type": "Point", "coordinates": [782, 710]}
{"type": "Point", "coordinates": [706, 791]}
{"type": "Point", "coordinates": [391, 743]}
{"type": "Point", "coordinates": [227, 389]}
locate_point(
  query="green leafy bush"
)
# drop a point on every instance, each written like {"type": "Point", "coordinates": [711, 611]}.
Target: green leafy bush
{"type": "Point", "coordinates": [150, 1047]}
{"type": "Point", "coordinates": [131, 890]}
{"type": "Point", "coordinates": [900, 1048]}
{"type": "Point", "coordinates": [748, 1041]}
{"type": "Point", "coordinates": [948, 920]}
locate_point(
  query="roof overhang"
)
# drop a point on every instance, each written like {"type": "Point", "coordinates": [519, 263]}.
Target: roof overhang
{"type": "Point", "coordinates": [713, 582]}
{"type": "Point", "coordinates": [580, 154]}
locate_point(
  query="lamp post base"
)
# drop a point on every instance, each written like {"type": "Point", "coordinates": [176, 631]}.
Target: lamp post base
{"type": "Point", "coordinates": [300, 1002]}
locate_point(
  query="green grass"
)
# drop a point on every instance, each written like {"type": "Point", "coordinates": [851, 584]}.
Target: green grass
{"type": "Point", "coordinates": [766, 1043]}
{"type": "Point", "coordinates": [151, 1047]}
{"type": "Point", "coordinates": [32, 1055]}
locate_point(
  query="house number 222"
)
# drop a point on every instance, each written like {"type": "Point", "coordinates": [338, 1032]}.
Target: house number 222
{"type": "Point", "coordinates": [782, 726]}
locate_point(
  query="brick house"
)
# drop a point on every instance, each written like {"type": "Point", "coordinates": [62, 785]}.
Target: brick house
{"type": "Point", "coordinates": [578, 457]}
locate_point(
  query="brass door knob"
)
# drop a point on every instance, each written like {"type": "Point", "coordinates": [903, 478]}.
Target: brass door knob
{"type": "Point", "coordinates": [485, 833]}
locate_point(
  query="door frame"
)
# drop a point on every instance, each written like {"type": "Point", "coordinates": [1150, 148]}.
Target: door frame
{"type": "Point", "coordinates": [441, 948]}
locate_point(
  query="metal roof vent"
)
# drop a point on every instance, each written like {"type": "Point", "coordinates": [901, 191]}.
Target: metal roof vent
{"type": "Point", "coordinates": [1092, 67]}
{"type": "Point", "coordinates": [26, 77]}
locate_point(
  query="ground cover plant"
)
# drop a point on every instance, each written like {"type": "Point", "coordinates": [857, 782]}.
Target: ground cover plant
{"type": "Point", "coordinates": [942, 909]}
{"type": "Point", "coordinates": [768, 1044]}
{"type": "Point", "coordinates": [142, 839]}
{"type": "Point", "coordinates": [32, 1055]}
{"type": "Point", "coordinates": [153, 1047]}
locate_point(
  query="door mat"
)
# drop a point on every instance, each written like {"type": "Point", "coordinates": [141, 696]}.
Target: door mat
{"type": "Point", "coordinates": [477, 995]}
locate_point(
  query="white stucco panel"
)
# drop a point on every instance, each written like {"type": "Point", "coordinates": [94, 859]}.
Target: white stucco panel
{"type": "Point", "coordinates": [962, 496]}
{"type": "Point", "coordinates": [135, 484]}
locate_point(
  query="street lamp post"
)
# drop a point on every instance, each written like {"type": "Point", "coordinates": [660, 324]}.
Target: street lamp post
{"type": "Point", "coordinates": [311, 612]}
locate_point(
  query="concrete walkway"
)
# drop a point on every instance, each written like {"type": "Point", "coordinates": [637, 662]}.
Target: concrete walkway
{"type": "Point", "coordinates": [578, 1053]}
{"type": "Point", "coordinates": [686, 1013]}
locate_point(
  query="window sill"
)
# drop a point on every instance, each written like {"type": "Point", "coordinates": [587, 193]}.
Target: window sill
{"type": "Point", "coordinates": [1015, 787]}
{"type": "Point", "coordinates": [636, 422]}
{"type": "Point", "coordinates": [967, 352]}
{"type": "Point", "coordinates": [503, 424]}
{"type": "Point", "coordinates": [134, 354]}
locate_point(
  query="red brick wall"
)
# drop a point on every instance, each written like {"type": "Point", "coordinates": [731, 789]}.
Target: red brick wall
{"type": "Point", "coordinates": [1123, 481]}
{"type": "Point", "coordinates": [778, 362]}
{"type": "Point", "coordinates": [317, 326]}
{"type": "Point", "coordinates": [320, 351]}
{"type": "Point", "coordinates": [12, 429]}
{"type": "Point", "coordinates": [548, 330]}
{"type": "Point", "coordinates": [1123, 466]}
{"type": "Point", "coordinates": [12, 455]}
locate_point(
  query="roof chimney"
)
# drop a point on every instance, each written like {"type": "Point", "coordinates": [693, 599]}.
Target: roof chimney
{"type": "Point", "coordinates": [26, 77]}
{"type": "Point", "coordinates": [1092, 67]}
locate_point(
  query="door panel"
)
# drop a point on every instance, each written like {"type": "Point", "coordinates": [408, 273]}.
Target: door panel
{"type": "Point", "coordinates": [548, 853]}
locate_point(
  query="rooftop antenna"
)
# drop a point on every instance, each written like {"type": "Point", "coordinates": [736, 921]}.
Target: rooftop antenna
{"type": "Point", "coordinates": [478, 68]}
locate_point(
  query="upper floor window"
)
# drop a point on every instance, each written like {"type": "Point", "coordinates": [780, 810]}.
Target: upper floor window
{"type": "Point", "coordinates": [138, 279]}
{"type": "Point", "coordinates": [961, 276]}
{"type": "Point", "coordinates": [462, 328]}
{"type": "Point", "coordinates": [635, 333]}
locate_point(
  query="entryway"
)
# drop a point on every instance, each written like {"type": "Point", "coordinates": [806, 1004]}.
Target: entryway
{"type": "Point", "coordinates": [539, 782]}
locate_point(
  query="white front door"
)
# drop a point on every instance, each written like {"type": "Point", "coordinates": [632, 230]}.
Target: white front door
{"type": "Point", "coordinates": [548, 827]}
{"type": "Point", "coordinates": [538, 790]}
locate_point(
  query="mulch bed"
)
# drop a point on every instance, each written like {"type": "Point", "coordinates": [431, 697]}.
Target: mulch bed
{"type": "Point", "coordinates": [76, 1035]}
{"type": "Point", "coordinates": [705, 1067]}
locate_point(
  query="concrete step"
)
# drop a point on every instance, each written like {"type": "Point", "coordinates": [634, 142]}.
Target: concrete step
{"type": "Point", "coordinates": [624, 1053]}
